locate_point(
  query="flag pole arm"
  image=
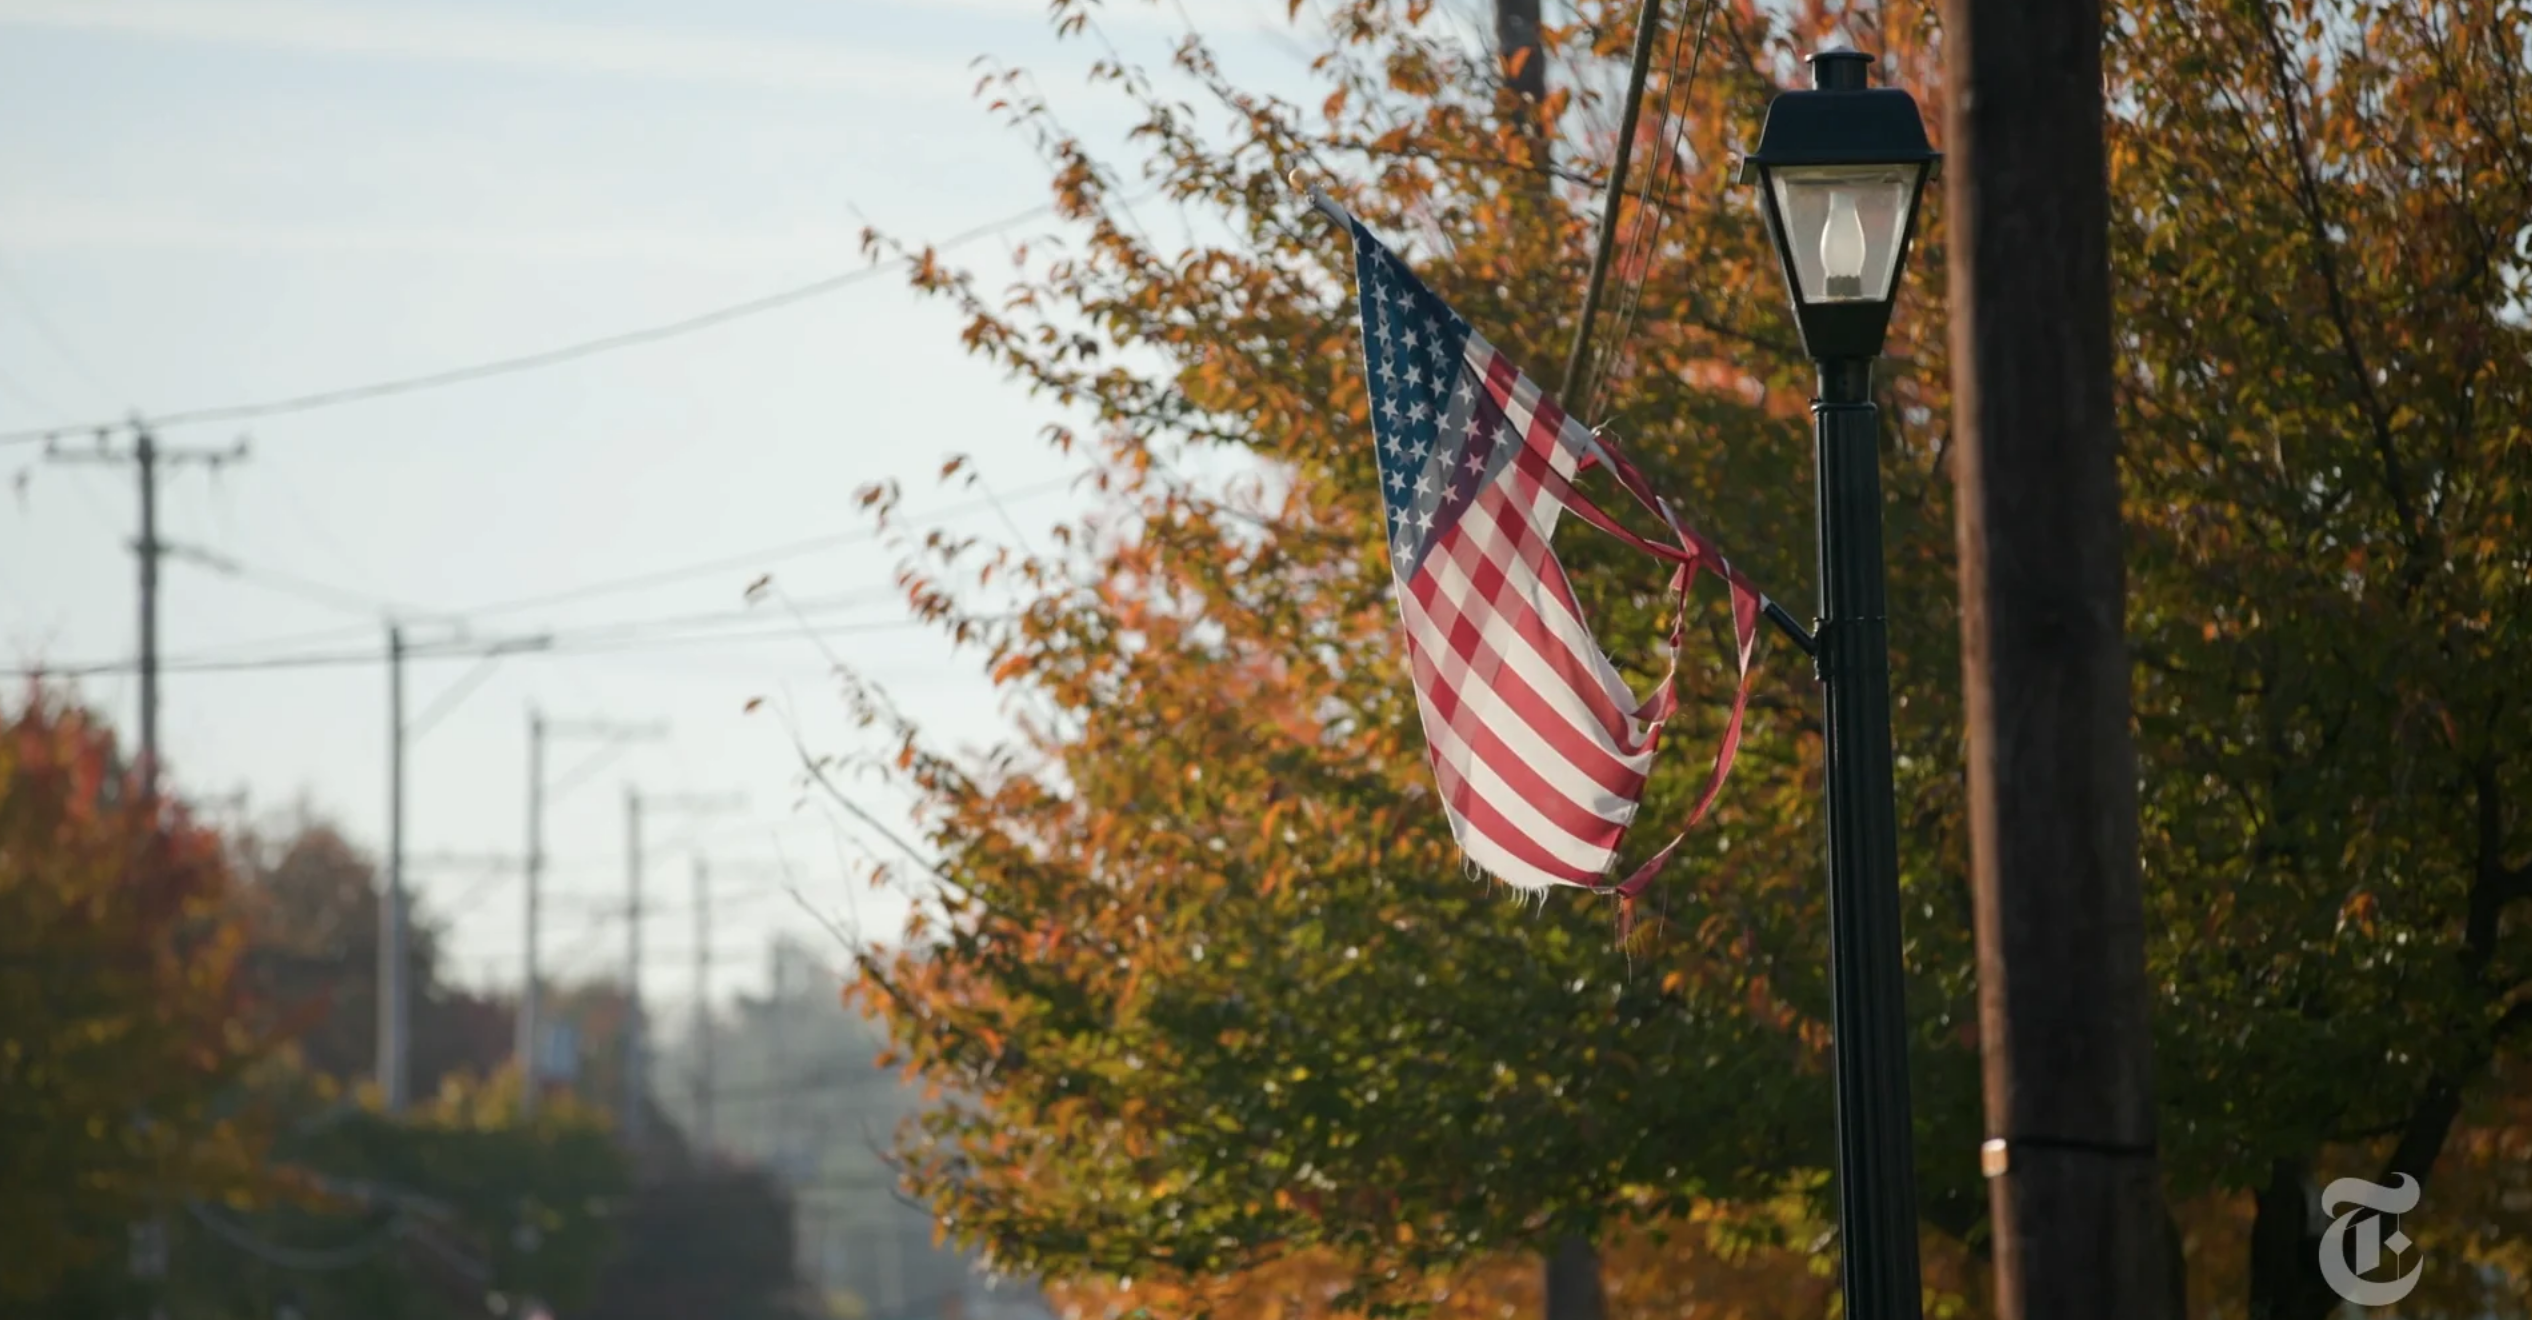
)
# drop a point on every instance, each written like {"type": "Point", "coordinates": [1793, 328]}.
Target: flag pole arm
{"type": "Point", "coordinates": [1792, 630]}
{"type": "Point", "coordinates": [1319, 199]}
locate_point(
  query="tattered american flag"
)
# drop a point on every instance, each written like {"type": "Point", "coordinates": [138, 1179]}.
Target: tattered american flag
{"type": "Point", "coordinates": [1540, 751]}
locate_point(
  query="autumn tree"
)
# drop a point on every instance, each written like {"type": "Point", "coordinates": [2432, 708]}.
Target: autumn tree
{"type": "Point", "coordinates": [417, 1216]}
{"type": "Point", "coordinates": [125, 1020]}
{"type": "Point", "coordinates": [1290, 1018]}
{"type": "Point", "coordinates": [2322, 264]}
{"type": "Point", "coordinates": [1205, 980]}
{"type": "Point", "coordinates": [314, 897]}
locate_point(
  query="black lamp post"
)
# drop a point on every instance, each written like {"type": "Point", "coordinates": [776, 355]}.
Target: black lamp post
{"type": "Point", "coordinates": [1840, 168]}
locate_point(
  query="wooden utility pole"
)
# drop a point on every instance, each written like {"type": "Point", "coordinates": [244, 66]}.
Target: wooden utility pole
{"type": "Point", "coordinates": [704, 1078]}
{"type": "Point", "coordinates": [395, 908]}
{"type": "Point", "coordinates": [146, 456]}
{"type": "Point", "coordinates": [394, 967]}
{"type": "Point", "coordinates": [541, 732]}
{"type": "Point", "coordinates": [636, 1060]}
{"type": "Point", "coordinates": [630, 1120]}
{"type": "Point", "coordinates": [526, 1048]}
{"type": "Point", "coordinates": [2081, 1230]}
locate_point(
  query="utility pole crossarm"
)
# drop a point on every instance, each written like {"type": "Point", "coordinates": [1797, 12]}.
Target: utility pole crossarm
{"type": "Point", "coordinates": [696, 803]}
{"type": "Point", "coordinates": [607, 730]}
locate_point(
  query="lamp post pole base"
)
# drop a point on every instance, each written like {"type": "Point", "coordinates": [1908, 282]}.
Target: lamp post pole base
{"type": "Point", "coordinates": [1877, 1217]}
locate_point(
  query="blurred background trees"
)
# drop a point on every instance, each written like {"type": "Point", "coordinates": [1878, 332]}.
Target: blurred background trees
{"type": "Point", "coordinates": [187, 1030]}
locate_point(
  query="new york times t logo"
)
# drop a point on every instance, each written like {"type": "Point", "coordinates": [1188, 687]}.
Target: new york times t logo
{"type": "Point", "coordinates": [2344, 1264]}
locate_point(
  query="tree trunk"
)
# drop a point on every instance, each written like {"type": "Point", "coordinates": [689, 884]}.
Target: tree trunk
{"type": "Point", "coordinates": [2286, 1282]}
{"type": "Point", "coordinates": [1522, 67]}
{"type": "Point", "coordinates": [1517, 42]}
{"type": "Point", "coordinates": [1573, 1282]}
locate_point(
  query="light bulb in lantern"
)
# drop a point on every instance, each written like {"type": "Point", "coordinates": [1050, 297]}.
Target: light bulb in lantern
{"type": "Point", "coordinates": [1842, 246]}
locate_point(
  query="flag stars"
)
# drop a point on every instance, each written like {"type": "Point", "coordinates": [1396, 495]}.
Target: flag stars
{"type": "Point", "coordinates": [1438, 417]}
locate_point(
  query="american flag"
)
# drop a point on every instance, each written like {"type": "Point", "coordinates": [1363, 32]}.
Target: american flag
{"type": "Point", "coordinates": [1539, 749]}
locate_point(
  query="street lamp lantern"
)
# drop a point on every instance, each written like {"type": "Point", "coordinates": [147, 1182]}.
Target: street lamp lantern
{"type": "Point", "coordinates": [1840, 169]}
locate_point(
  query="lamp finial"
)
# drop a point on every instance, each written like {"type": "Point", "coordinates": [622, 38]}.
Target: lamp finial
{"type": "Point", "coordinates": [1841, 69]}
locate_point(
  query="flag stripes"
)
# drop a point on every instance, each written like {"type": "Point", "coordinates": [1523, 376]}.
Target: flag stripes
{"type": "Point", "coordinates": [1539, 749]}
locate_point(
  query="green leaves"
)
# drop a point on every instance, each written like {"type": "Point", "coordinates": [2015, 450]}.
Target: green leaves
{"type": "Point", "coordinates": [1217, 996]}
{"type": "Point", "coordinates": [124, 1016]}
{"type": "Point", "coordinates": [2321, 450]}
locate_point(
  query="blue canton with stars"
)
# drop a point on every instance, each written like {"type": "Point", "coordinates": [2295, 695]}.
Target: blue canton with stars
{"type": "Point", "coordinates": [1442, 432]}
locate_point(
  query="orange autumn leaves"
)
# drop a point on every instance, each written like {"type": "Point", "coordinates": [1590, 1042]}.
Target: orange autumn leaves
{"type": "Point", "coordinates": [124, 1011]}
{"type": "Point", "coordinates": [1215, 1008]}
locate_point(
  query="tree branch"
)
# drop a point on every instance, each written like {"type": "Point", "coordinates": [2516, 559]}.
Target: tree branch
{"type": "Point", "coordinates": [2325, 260]}
{"type": "Point", "coordinates": [2431, 1120]}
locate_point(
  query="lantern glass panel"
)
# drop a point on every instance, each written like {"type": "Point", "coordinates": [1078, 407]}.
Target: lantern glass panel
{"type": "Point", "coordinates": [1843, 227]}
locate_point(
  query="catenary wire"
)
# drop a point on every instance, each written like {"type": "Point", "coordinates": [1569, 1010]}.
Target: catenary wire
{"type": "Point", "coordinates": [1633, 262]}
{"type": "Point", "coordinates": [1673, 139]}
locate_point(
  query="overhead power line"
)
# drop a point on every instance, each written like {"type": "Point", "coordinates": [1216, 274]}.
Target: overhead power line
{"type": "Point", "coordinates": [235, 412]}
{"type": "Point", "coordinates": [1647, 29]}
{"type": "Point", "coordinates": [599, 642]}
{"type": "Point", "coordinates": [61, 345]}
{"type": "Point", "coordinates": [320, 593]}
{"type": "Point", "coordinates": [739, 562]}
{"type": "Point", "coordinates": [753, 558]}
{"type": "Point", "coordinates": [1652, 205]}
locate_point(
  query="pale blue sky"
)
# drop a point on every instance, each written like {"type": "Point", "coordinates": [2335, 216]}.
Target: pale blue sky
{"type": "Point", "coordinates": [213, 201]}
